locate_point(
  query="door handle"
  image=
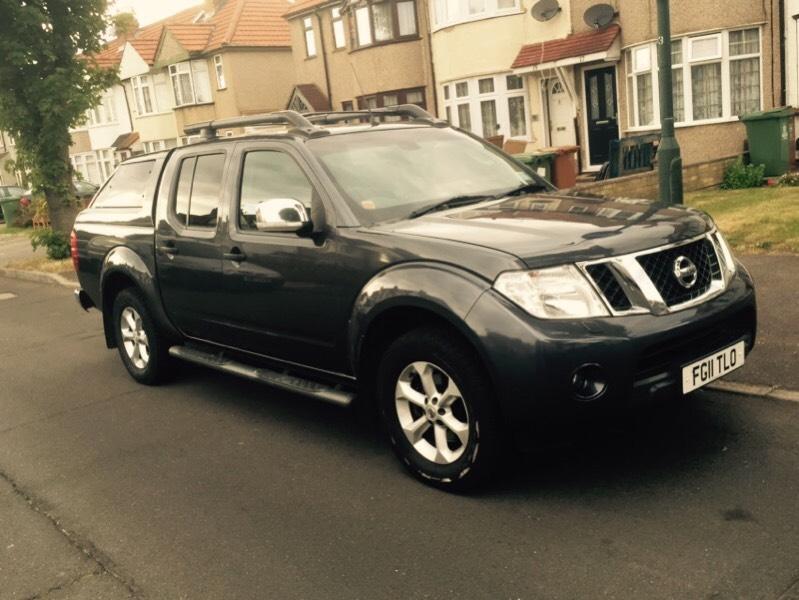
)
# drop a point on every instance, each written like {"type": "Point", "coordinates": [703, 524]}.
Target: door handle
{"type": "Point", "coordinates": [168, 248]}
{"type": "Point", "coordinates": [235, 255]}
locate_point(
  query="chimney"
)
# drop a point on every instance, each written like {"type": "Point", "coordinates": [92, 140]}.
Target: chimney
{"type": "Point", "coordinates": [213, 6]}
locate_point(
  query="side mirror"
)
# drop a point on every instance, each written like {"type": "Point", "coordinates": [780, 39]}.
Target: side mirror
{"type": "Point", "coordinates": [281, 215]}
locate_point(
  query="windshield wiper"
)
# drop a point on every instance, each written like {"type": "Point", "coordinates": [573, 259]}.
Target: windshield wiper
{"type": "Point", "coordinates": [522, 189]}
{"type": "Point", "coordinates": [449, 203]}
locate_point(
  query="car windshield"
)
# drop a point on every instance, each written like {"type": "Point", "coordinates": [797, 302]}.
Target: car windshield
{"type": "Point", "coordinates": [388, 174]}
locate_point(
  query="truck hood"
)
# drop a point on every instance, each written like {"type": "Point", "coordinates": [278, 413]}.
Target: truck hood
{"type": "Point", "coordinates": [550, 229]}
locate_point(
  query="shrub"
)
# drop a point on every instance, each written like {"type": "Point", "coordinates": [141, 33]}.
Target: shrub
{"type": "Point", "coordinates": [789, 180]}
{"type": "Point", "coordinates": [738, 176]}
{"type": "Point", "coordinates": [56, 243]}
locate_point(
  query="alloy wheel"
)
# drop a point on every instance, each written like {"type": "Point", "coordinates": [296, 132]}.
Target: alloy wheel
{"type": "Point", "coordinates": [432, 413]}
{"type": "Point", "coordinates": [134, 338]}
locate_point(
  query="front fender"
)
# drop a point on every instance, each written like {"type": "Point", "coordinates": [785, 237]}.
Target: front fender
{"type": "Point", "coordinates": [443, 289]}
{"type": "Point", "coordinates": [125, 262]}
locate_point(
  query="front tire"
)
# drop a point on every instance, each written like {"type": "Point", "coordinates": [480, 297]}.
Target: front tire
{"type": "Point", "coordinates": [143, 350]}
{"type": "Point", "coordinates": [437, 407]}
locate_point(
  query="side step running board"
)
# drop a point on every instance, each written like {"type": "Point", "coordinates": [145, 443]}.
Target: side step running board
{"type": "Point", "coordinates": [280, 380]}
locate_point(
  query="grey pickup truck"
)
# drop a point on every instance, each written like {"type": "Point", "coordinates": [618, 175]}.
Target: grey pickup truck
{"type": "Point", "coordinates": [388, 255]}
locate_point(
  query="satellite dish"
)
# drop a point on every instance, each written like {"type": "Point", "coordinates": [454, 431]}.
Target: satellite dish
{"type": "Point", "coordinates": [599, 15]}
{"type": "Point", "coordinates": [544, 10]}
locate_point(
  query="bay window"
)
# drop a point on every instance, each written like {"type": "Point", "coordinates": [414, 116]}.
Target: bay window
{"type": "Point", "coordinates": [190, 82]}
{"type": "Point", "coordinates": [104, 113]}
{"type": "Point", "coordinates": [452, 12]}
{"type": "Point", "coordinates": [96, 166]}
{"type": "Point", "coordinates": [382, 21]}
{"type": "Point", "coordinates": [393, 98]}
{"type": "Point", "coordinates": [715, 77]}
{"type": "Point", "coordinates": [488, 106]}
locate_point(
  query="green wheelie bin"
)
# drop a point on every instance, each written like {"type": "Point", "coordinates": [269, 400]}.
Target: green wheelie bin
{"type": "Point", "coordinates": [772, 141]}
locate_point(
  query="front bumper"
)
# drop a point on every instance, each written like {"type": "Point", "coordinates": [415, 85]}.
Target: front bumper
{"type": "Point", "coordinates": [532, 361]}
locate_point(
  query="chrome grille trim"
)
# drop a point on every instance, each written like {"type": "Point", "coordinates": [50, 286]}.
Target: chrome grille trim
{"type": "Point", "coordinates": [644, 297]}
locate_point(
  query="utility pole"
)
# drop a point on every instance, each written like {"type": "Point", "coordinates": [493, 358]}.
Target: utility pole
{"type": "Point", "coordinates": [669, 161]}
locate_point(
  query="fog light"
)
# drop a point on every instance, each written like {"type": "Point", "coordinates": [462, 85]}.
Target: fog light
{"type": "Point", "coordinates": [589, 383]}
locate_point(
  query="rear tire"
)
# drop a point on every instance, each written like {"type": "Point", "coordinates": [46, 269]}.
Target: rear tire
{"type": "Point", "coordinates": [143, 350]}
{"type": "Point", "coordinates": [437, 407]}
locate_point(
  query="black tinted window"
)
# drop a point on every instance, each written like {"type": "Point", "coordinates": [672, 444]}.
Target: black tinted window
{"type": "Point", "coordinates": [184, 188]}
{"type": "Point", "coordinates": [199, 190]}
{"type": "Point", "coordinates": [206, 190]}
{"type": "Point", "coordinates": [127, 186]}
{"type": "Point", "coordinates": [268, 175]}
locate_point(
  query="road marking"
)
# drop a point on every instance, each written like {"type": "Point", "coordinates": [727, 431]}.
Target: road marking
{"type": "Point", "coordinates": [7, 296]}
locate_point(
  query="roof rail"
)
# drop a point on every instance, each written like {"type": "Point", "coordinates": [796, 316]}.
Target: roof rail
{"type": "Point", "coordinates": [297, 121]}
{"type": "Point", "coordinates": [411, 111]}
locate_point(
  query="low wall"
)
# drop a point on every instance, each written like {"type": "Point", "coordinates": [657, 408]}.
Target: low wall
{"type": "Point", "coordinates": [698, 176]}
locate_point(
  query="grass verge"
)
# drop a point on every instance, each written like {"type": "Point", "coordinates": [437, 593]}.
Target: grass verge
{"type": "Point", "coordinates": [757, 220]}
{"type": "Point", "coordinates": [43, 264]}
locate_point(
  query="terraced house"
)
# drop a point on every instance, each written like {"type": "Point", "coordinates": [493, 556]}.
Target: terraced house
{"type": "Point", "coordinates": [220, 59]}
{"type": "Point", "coordinates": [553, 78]}
{"type": "Point", "coordinates": [367, 54]}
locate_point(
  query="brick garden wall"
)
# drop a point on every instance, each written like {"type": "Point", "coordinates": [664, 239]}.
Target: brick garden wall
{"type": "Point", "coordinates": [698, 176]}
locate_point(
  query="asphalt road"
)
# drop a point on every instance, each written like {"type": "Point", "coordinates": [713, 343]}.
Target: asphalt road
{"type": "Point", "coordinates": [217, 488]}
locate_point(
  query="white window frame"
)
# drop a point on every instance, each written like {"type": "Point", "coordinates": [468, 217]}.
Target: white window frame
{"type": "Point", "coordinates": [445, 13]}
{"type": "Point", "coordinates": [190, 68]}
{"type": "Point", "coordinates": [339, 30]}
{"type": "Point", "coordinates": [500, 94]}
{"type": "Point", "coordinates": [310, 37]}
{"type": "Point", "coordinates": [723, 57]}
{"type": "Point", "coordinates": [104, 113]}
{"type": "Point", "coordinates": [219, 69]}
{"type": "Point", "coordinates": [138, 84]}
{"type": "Point", "coordinates": [104, 161]}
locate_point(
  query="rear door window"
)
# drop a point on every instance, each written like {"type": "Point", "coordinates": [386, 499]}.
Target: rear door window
{"type": "Point", "coordinates": [127, 187]}
{"type": "Point", "coordinates": [199, 190]}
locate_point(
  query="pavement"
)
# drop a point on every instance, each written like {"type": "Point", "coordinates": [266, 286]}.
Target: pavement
{"type": "Point", "coordinates": [214, 487]}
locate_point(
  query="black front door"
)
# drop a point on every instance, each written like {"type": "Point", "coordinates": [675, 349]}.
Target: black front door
{"type": "Point", "coordinates": [603, 124]}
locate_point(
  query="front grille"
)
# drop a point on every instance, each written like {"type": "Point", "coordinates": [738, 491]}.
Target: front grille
{"type": "Point", "coordinates": [606, 281]}
{"type": "Point", "coordinates": [659, 266]}
{"type": "Point", "coordinates": [687, 346]}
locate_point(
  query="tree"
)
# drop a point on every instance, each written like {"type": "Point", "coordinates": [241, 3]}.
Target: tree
{"type": "Point", "coordinates": [47, 83]}
{"type": "Point", "coordinates": [124, 24]}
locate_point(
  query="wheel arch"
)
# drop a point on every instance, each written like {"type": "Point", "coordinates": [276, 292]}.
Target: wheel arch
{"type": "Point", "coordinates": [406, 297]}
{"type": "Point", "coordinates": [123, 268]}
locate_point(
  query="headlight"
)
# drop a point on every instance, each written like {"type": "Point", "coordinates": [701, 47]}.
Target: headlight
{"type": "Point", "coordinates": [557, 293]}
{"type": "Point", "coordinates": [726, 256]}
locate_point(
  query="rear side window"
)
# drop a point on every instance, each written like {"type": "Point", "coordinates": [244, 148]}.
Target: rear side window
{"type": "Point", "coordinates": [199, 190]}
{"type": "Point", "coordinates": [127, 187]}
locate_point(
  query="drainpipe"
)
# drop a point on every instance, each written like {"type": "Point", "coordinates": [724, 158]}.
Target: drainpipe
{"type": "Point", "coordinates": [670, 188]}
{"type": "Point", "coordinates": [431, 62]}
{"type": "Point", "coordinates": [783, 71]}
{"type": "Point", "coordinates": [324, 57]}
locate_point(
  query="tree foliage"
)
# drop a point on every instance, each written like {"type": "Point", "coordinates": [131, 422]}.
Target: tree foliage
{"type": "Point", "coordinates": [124, 24]}
{"type": "Point", "coordinates": [47, 83]}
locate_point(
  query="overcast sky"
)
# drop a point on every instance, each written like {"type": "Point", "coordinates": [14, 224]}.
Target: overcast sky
{"type": "Point", "coordinates": [148, 11]}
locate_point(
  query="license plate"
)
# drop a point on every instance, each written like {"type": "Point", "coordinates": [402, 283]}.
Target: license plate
{"type": "Point", "coordinates": [710, 368]}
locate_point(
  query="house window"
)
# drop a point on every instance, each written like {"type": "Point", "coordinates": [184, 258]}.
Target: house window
{"type": "Point", "coordinates": [489, 106]}
{"type": "Point", "coordinates": [221, 84]}
{"type": "Point", "coordinates": [158, 145]}
{"type": "Point", "coordinates": [452, 12]}
{"type": "Point", "coordinates": [339, 38]}
{"type": "Point", "coordinates": [96, 166]}
{"type": "Point", "coordinates": [714, 77]}
{"type": "Point", "coordinates": [104, 113]}
{"type": "Point", "coordinates": [190, 82]}
{"type": "Point", "coordinates": [310, 39]}
{"type": "Point", "coordinates": [347, 106]}
{"type": "Point", "coordinates": [143, 94]}
{"type": "Point", "coordinates": [745, 71]}
{"type": "Point", "coordinates": [393, 98]}
{"type": "Point", "coordinates": [384, 21]}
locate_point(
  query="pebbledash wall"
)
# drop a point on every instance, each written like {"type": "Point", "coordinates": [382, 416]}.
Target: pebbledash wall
{"type": "Point", "coordinates": [698, 176]}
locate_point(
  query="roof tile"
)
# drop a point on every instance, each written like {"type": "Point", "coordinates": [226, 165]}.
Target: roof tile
{"type": "Point", "coordinates": [577, 44]}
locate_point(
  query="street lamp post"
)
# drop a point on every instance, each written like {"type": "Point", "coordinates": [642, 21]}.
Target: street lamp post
{"type": "Point", "coordinates": [669, 161]}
